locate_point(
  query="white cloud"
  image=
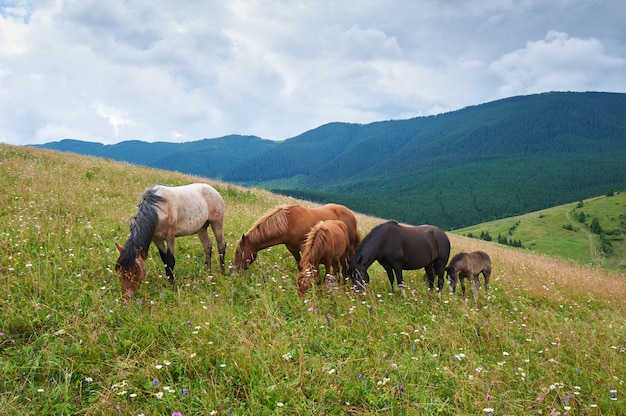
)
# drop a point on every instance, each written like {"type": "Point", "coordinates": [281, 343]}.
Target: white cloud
{"type": "Point", "coordinates": [558, 62]}
{"type": "Point", "coordinates": [158, 70]}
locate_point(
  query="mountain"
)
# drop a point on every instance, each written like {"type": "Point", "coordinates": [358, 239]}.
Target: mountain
{"type": "Point", "coordinates": [208, 157]}
{"type": "Point", "coordinates": [480, 163]}
{"type": "Point", "coordinates": [488, 161]}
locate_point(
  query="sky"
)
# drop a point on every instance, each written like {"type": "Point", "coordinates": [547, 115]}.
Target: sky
{"type": "Point", "coordinates": [178, 71]}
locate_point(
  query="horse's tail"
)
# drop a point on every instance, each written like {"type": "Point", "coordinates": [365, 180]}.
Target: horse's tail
{"type": "Point", "coordinates": [347, 217]}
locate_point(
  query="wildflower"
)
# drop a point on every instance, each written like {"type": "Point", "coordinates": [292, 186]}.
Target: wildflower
{"type": "Point", "coordinates": [166, 362]}
{"type": "Point", "coordinates": [185, 392]}
{"type": "Point", "coordinates": [177, 414]}
{"type": "Point", "coordinates": [488, 410]}
{"type": "Point", "coordinates": [158, 366]}
{"type": "Point", "coordinates": [280, 404]}
{"type": "Point", "coordinates": [331, 371]}
{"type": "Point", "coordinates": [613, 394]}
{"type": "Point", "coordinates": [155, 383]}
{"type": "Point", "coordinates": [88, 379]}
{"type": "Point", "coordinates": [222, 365]}
{"type": "Point", "coordinates": [158, 395]}
{"type": "Point", "coordinates": [287, 356]}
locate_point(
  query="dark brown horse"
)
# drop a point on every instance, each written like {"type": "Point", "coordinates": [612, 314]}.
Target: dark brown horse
{"type": "Point", "coordinates": [289, 225]}
{"type": "Point", "coordinates": [164, 214]}
{"type": "Point", "coordinates": [469, 266]}
{"type": "Point", "coordinates": [398, 248]}
{"type": "Point", "coordinates": [327, 243]}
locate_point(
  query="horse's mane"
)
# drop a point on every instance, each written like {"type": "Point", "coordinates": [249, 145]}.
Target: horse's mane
{"type": "Point", "coordinates": [141, 228]}
{"type": "Point", "coordinates": [457, 257]}
{"type": "Point", "coordinates": [315, 243]}
{"type": "Point", "coordinates": [372, 234]}
{"type": "Point", "coordinates": [270, 225]}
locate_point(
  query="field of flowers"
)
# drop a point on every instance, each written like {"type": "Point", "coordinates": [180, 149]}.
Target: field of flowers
{"type": "Point", "coordinates": [550, 338]}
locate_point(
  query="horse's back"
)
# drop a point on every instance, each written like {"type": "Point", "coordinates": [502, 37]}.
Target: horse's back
{"type": "Point", "coordinates": [190, 207]}
{"type": "Point", "coordinates": [434, 237]}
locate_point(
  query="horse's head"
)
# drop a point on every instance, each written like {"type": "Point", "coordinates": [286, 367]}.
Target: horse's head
{"type": "Point", "coordinates": [453, 277]}
{"type": "Point", "coordinates": [305, 275]}
{"type": "Point", "coordinates": [131, 274]}
{"type": "Point", "coordinates": [358, 273]}
{"type": "Point", "coordinates": [244, 254]}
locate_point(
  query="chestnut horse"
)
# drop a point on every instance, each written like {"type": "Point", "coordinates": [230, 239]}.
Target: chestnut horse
{"type": "Point", "coordinates": [289, 225]}
{"type": "Point", "coordinates": [165, 213]}
{"type": "Point", "coordinates": [469, 266]}
{"type": "Point", "coordinates": [327, 243]}
{"type": "Point", "coordinates": [398, 248]}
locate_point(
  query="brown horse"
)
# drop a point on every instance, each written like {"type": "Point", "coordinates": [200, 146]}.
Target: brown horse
{"type": "Point", "coordinates": [164, 214]}
{"type": "Point", "coordinates": [289, 225]}
{"type": "Point", "coordinates": [327, 243]}
{"type": "Point", "coordinates": [469, 265]}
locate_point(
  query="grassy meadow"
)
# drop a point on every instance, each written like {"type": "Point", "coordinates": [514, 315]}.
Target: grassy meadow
{"type": "Point", "coordinates": [550, 338]}
{"type": "Point", "coordinates": [559, 232]}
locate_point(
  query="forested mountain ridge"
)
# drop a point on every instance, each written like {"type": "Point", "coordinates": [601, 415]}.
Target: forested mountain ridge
{"type": "Point", "coordinates": [488, 161]}
{"type": "Point", "coordinates": [207, 157]}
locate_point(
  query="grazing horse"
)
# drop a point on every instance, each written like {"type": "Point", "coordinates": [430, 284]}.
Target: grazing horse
{"type": "Point", "coordinates": [289, 225]}
{"type": "Point", "coordinates": [164, 214]}
{"type": "Point", "coordinates": [327, 243]}
{"type": "Point", "coordinates": [469, 266]}
{"type": "Point", "coordinates": [398, 248]}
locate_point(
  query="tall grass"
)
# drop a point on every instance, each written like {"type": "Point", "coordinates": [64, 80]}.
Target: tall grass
{"type": "Point", "coordinates": [551, 338]}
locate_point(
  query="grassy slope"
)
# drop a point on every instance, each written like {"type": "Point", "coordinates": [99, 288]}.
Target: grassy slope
{"type": "Point", "coordinates": [544, 231]}
{"type": "Point", "coordinates": [551, 337]}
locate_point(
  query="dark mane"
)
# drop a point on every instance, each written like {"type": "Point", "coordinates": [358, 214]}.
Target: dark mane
{"type": "Point", "coordinates": [141, 228]}
{"type": "Point", "coordinates": [372, 234]}
{"type": "Point", "coordinates": [457, 257]}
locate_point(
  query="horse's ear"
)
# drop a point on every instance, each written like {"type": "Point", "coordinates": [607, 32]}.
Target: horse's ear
{"type": "Point", "coordinates": [243, 238]}
{"type": "Point", "coordinates": [119, 248]}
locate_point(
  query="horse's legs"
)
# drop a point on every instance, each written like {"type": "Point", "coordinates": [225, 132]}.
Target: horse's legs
{"type": "Point", "coordinates": [430, 272]}
{"type": "Point", "coordinates": [475, 286]}
{"type": "Point", "coordinates": [389, 269]}
{"type": "Point", "coordinates": [203, 235]}
{"type": "Point", "coordinates": [168, 258]}
{"type": "Point", "coordinates": [398, 270]}
{"type": "Point", "coordinates": [218, 231]}
{"type": "Point", "coordinates": [439, 268]}
{"type": "Point", "coordinates": [462, 279]}
{"type": "Point", "coordinates": [487, 275]}
{"type": "Point", "coordinates": [295, 252]}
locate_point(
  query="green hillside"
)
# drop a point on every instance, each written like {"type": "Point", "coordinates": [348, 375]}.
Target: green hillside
{"type": "Point", "coordinates": [477, 164]}
{"type": "Point", "coordinates": [590, 231]}
{"type": "Point", "coordinates": [549, 338]}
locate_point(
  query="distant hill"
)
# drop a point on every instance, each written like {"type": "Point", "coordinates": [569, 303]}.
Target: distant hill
{"type": "Point", "coordinates": [484, 162]}
{"type": "Point", "coordinates": [208, 157]}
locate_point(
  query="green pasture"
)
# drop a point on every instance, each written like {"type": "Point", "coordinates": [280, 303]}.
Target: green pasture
{"type": "Point", "coordinates": [558, 231]}
{"type": "Point", "coordinates": [244, 344]}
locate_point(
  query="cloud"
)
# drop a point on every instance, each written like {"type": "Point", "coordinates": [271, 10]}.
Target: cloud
{"type": "Point", "coordinates": [118, 70]}
{"type": "Point", "coordinates": [558, 62]}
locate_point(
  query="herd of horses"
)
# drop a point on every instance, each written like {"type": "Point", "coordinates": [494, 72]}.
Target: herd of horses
{"type": "Point", "coordinates": [325, 235]}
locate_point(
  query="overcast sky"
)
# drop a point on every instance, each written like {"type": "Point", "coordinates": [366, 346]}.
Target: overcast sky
{"type": "Point", "coordinates": [166, 70]}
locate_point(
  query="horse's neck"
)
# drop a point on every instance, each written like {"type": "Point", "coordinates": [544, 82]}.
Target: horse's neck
{"type": "Point", "coordinates": [263, 243]}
